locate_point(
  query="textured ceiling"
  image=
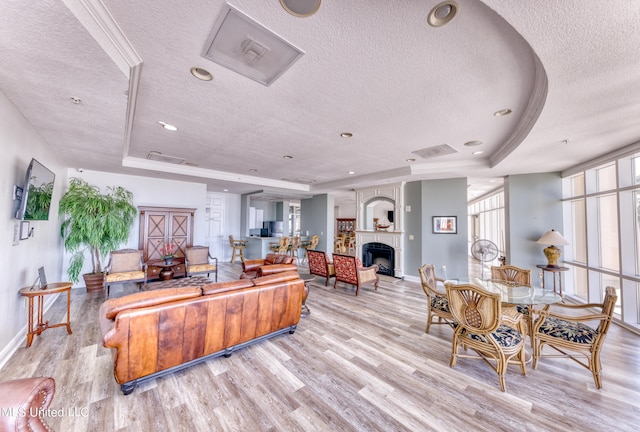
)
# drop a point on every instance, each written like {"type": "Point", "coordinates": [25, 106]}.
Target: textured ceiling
{"type": "Point", "coordinates": [568, 70]}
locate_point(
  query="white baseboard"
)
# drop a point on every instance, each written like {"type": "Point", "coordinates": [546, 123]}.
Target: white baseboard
{"type": "Point", "coordinates": [21, 337]}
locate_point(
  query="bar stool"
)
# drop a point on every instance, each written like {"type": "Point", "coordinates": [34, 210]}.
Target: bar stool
{"type": "Point", "coordinates": [238, 249]}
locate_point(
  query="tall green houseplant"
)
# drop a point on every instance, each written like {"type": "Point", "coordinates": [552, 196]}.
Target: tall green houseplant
{"type": "Point", "coordinates": [94, 221]}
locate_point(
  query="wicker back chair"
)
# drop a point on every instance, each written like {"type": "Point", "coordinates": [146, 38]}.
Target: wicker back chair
{"type": "Point", "coordinates": [496, 336]}
{"type": "Point", "coordinates": [294, 246]}
{"type": "Point", "coordinates": [282, 247]}
{"type": "Point", "coordinates": [437, 297]}
{"type": "Point", "coordinates": [312, 245]}
{"type": "Point", "coordinates": [571, 337]}
{"type": "Point", "coordinates": [509, 273]}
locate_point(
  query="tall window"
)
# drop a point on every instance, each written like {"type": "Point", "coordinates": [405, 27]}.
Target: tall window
{"type": "Point", "coordinates": [486, 221]}
{"type": "Point", "coordinates": [602, 215]}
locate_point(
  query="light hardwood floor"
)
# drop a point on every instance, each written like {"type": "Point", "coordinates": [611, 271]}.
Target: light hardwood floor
{"type": "Point", "coordinates": [355, 364]}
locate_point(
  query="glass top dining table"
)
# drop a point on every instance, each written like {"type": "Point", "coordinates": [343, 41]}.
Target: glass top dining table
{"type": "Point", "coordinates": [513, 293]}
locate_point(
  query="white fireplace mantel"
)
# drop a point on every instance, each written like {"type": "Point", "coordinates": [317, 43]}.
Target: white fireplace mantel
{"type": "Point", "coordinates": [395, 194]}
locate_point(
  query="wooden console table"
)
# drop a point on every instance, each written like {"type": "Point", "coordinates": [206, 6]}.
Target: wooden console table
{"type": "Point", "coordinates": [35, 328]}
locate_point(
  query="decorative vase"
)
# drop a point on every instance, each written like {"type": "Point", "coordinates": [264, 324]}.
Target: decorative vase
{"type": "Point", "coordinates": [93, 282]}
{"type": "Point", "coordinates": [168, 261]}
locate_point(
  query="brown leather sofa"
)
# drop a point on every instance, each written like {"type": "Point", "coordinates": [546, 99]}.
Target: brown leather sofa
{"type": "Point", "coordinates": [271, 264]}
{"type": "Point", "coordinates": [161, 331]}
{"type": "Point", "coordinates": [24, 403]}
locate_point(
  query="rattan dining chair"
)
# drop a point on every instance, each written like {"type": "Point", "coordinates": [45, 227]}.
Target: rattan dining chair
{"type": "Point", "coordinates": [570, 337]}
{"type": "Point", "coordinates": [436, 297]}
{"type": "Point", "coordinates": [496, 335]}
{"type": "Point", "coordinates": [509, 273]}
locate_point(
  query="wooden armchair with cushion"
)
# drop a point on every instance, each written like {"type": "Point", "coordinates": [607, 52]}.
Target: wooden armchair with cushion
{"type": "Point", "coordinates": [349, 269]}
{"type": "Point", "coordinates": [125, 265]}
{"type": "Point", "coordinates": [571, 337]}
{"type": "Point", "coordinates": [496, 335]}
{"type": "Point", "coordinates": [199, 260]}
{"type": "Point", "coordinates": [436, 296]}
{"type": "Point", "coordinates": [321, 265]}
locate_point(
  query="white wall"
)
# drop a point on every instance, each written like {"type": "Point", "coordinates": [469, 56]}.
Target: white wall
{"type": "Point", "coordinates": [19, 264]}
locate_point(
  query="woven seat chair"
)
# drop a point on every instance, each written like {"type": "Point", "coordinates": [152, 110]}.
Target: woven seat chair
{"type": "Point", "coordinates": [509, 273]}
{"type": "Point", "coordinates": [496, 335]}
{"type": "Point", "coordinates": [282, 246]}
{"type": "Point", "coordinates": [294, 246]}
{"type": "Point", "coordinates": [436, 296]}
{"type": "Point", "coordinates": [124, 265]}
{"type": "Point", "coordinates": [517, 275]}
{"type": "Point", "coordinates": [570, 337]}
{"type": "Point", "coordinates": [312, 245]}
{"type": "Point", "coordinates": [199, 260]}
{"type": "Point", "coordinates": [339, 245]}
{"type": "Point", "coordinates": [321, 265]}
{"type": "Point", "coordinates": [349, 269]}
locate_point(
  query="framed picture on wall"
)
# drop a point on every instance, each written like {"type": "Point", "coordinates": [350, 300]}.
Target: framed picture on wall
{"type": "Point", "coordinates": [445, 225]}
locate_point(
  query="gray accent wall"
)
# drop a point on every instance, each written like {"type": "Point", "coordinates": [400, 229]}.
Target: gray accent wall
{"type": "Point", "coordinates": [413, 226]}
{"type": "Point", "coordinates": [533, 206]}
{"type": "Point", "coordinates": [430, 198]}
{"type": "Point", "coordinates": [446, 197]}
{"type": "Point", "coordinates": [317, 217]}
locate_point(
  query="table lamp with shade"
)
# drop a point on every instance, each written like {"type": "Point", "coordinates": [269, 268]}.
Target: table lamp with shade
{"type": "Point", "coordinates": [552, 253]}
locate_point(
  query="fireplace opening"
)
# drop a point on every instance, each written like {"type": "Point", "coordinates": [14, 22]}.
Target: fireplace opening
{"type": "Point", "coordinates": [380, 254]}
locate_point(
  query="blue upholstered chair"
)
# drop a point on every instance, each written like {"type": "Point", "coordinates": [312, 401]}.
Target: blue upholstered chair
{"type": "Point", "coordinates": [571, 336]}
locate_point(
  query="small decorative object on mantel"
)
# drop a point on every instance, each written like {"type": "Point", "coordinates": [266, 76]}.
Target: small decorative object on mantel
{"type": "Point", "coordinates": [167, 253]}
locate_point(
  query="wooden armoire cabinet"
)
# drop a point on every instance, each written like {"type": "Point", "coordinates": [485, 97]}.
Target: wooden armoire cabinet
{"type": "Point", "coordinates": [165, 225]}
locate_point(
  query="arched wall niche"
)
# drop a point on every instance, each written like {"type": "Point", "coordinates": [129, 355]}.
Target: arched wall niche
{"type": "Point", "coordinates": [378, 202]}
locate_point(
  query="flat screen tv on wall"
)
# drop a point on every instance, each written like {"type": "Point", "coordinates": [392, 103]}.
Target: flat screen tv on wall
{"type": "Point", "coordinates": [37, 190]}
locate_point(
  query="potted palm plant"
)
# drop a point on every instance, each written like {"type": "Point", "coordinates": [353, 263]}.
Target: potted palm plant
{"type": "Point", "coordinates": [96, 222]}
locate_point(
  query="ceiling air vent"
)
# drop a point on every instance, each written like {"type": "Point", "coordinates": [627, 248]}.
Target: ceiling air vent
{"type": "Point", "coordinates": [435, 151]}
{"type": "Point", "coordinates": [241, 44]}
{"type": "Point", "coordinates": [159, 157]}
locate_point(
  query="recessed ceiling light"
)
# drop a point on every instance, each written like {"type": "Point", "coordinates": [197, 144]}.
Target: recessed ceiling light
{"type": "Point", "coordinates": [566, 141]}
{"type": "Point", "coordinates": [167, 126]}
{"type": "Point", "coordinates": [301, 8]}
{"type": "Point", "coordinates": [346, 134]}
{"type": "Point", "coordinates": [352, 172]}
{"type": "Point", "coordinates": [225, 190]}
{"type": "Point", "coordinates": [478, 152]}
{"type": "Point", "coordinates": [502, 112]}
{"type": "Point", "coordinates": [411, 160]}
{"type": "Point", "coordinates": [442, 13]}
{"type": "Point", "coordinates": [253, 170]}
{"type": "Point", "coordinates": [287, 157]}
{"type": "Point", "coordinates": [75, 100]}
{"type": "Point", "coordinates": [201, 74]}
{"type": "Point", "coordinates": [473, 143]}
